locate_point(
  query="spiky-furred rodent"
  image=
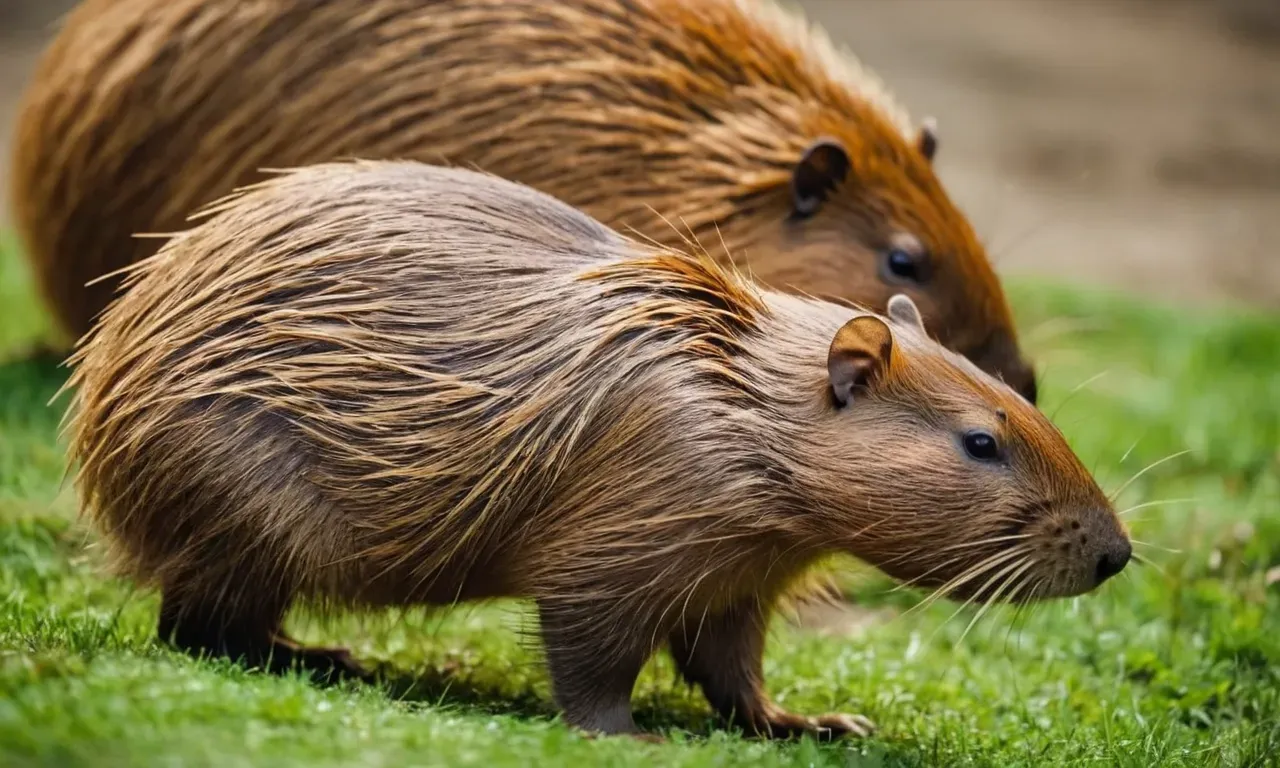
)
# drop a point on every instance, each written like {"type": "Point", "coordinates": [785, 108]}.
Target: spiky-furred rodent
{"type": "Point", "coordinates": [385, 384]}
{"type": "Point", "coordinates": [725, 116]}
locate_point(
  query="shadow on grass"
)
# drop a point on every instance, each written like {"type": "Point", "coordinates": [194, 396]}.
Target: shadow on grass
{"type": "Point", "coordinates": [673, 711]}
{"type": "Point", "coordinates": [670, 710]}
{"type": "Point", "coordinates": [450, 687]}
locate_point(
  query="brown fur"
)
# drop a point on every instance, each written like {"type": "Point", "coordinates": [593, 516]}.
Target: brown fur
{"type": "Point", "coordinates": [382, 384]}
{"type": "Point", "coordinates": [640, 112]}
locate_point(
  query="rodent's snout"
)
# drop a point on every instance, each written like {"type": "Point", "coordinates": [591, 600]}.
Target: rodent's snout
{"type": "Point", "coordinates": [1113, 560]}
{"type": "Point", "coordinates": [1078, 549]}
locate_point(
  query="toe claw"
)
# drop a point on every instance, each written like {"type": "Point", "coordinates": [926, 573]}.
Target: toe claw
{"type": "Point", "coordinates": [780, 724]}
{"type": "Point", "coordinates": [845, 725]}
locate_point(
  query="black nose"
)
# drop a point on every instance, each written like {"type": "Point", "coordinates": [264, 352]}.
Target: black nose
{"type": "Point", "coordinates": [1029, 390]}
{"type": "Point", "coordinates": [998, 354]}
{"type": "Point", "coordinates": [1114, 561]}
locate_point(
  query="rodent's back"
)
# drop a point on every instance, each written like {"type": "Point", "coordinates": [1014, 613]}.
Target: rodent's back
{"type": "Point", "coordinates": [425, 347]}
{"type": "Point", "coordinates": [633, 110]}
{"type": "Point", "coordinates": [171, 105]}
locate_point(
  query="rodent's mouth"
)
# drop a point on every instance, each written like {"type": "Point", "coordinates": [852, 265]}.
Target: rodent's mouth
{"type": "Point", "coordinates": [1014, 589]}
{"type": "Point", "coordinates": [1008, 574]}
{"type": "Point", "coordinates": [1016, 572]}
{"type": "Point", "coordinates": [1042, 551]}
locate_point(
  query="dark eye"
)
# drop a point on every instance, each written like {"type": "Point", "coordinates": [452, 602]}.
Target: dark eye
{"type": "Point", "coordinates": [903, 265]}
{"type": "Point", "coordinates": [981, 446]}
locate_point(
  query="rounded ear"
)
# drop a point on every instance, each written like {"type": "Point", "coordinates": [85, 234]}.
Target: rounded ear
{"type": "Point", "coordinates": [927, 138]}
{"type": "Point", "coordinates": [858, 357]}
{"type": "Point", "coordinates": [822, 166]}
{"type": "Point", "coordinates": [903, 310]}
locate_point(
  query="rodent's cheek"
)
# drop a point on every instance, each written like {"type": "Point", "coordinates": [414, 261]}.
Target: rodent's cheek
{"type": "Point", "coordinates": [824, 261]}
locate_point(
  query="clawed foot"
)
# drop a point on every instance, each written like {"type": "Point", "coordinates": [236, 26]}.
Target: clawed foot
{"type": "Point", "coordinates": [839, 726]}
{"type": "Point", "coordinates": [780, 724]}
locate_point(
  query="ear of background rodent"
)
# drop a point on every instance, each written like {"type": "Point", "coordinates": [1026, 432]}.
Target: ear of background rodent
{"type": "Point", "coordinates": [825, 163]}
{"type": "Point", "coordinates": [822, 166]}
{"type": "Point", "coordinates": [903, 310]}
{"type": "Point", "coordinates": [858, 357]}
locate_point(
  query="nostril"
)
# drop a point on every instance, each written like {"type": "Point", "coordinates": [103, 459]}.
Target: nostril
{"type": "Point", "coordinates": [1113, 562]}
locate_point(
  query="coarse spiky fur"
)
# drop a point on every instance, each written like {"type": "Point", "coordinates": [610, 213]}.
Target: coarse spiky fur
{"type": "Point", "coordinates": [380, 384]}
{"type": "Point", "coordinates": [652, 115]}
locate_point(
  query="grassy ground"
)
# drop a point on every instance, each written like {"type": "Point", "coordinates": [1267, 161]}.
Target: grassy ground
{"type": "Point", "coordinates": [1172, 666]}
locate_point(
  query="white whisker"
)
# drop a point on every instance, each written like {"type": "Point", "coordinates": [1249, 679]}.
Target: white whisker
{"type": "Point", "coordinates": [966, 545]}
{"type": "Point", "coordinates": [1142, 543]}
{"type": "Point", "coordinates": [1076, 390]}
{"type": "Point", "coordinates": [1129, 450]}
{"type": "Point", "coordinates": [1142, 560]}
{"type": "Point", "coordinates": [1009, 580]}
{"type": "Point", "coordinates": [990, 580]}
{"type": "Point", "coordinates": [1116, 494]}
{"type": "Point", "coordinates": [972, 573]}
{"type": "Point", "coordinates": [1144, 505]}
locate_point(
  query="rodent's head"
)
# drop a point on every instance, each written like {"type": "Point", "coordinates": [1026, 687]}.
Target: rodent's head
{"type": "Point", "coordinates": [814, 175]}
{"type": "Point", "coordinates": [864, 217]}
{"type": "Point", "coordinates": [885, 204]}
{"type": "Point", "coordinates": [944, 477]}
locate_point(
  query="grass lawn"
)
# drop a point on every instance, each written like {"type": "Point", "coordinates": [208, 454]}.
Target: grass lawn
{"type": "Point", "coordinates": [1174, 664]}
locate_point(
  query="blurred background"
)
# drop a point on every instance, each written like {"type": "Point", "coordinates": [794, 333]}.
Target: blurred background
{"type": "Point", "coordinates": [1131, 144]}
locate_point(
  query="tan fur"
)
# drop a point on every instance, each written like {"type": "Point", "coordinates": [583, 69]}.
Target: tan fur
{"type": "Point", "coordinates": [382, 384]}
{"type": "Point", "coordinates": [647, 114]}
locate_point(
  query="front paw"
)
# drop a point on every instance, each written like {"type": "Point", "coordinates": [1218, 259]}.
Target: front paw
{"type": "Point", "coordinates": [777, 723]}
{"type": "Point", "coordinates": [839, 726]}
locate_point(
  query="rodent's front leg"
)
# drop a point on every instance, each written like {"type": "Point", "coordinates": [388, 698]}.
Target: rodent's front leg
{"type": "Point", "coordinates": [723, 655]}
{"type": "Point", "coordinates": [593, 661]}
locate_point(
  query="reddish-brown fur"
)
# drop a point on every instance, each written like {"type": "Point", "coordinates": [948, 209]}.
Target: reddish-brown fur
{"type": "Point", "coordinates": [384, 384]}
{"type": "Point", "coordinates": [640, 112]}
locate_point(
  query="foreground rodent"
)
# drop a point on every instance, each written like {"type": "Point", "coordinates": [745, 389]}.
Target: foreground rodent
{"type": "Point", "coordinates": [388, 384]}
{"type": "Point", "coordinates": [727, 117]}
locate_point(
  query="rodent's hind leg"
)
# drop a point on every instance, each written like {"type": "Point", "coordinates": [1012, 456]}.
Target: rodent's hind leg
{"type": "Point", "coordinates": [218, 627]}
{"type": "Point", "coordinates": [249, 634]}
{"type": "Point", "coordinates": [593, 662]}
{"type": "Point", "coordinates": [723, 655]}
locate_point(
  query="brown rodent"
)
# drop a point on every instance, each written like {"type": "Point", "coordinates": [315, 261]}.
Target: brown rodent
{"type": "Point", "coordinates": [725, 116]}
{"type": "Point", "coordinates": [384, 384]}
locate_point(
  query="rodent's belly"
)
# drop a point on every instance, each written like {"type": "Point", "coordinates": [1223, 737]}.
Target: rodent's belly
{"type": "Point", "coordinates": [456, 582]}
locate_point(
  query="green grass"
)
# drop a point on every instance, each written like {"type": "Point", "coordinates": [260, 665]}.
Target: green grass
{"type": "Point", "coordinates": [1177, 666]}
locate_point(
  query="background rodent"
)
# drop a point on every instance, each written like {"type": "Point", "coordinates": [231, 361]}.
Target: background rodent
{"type": "Point", "coordinates": [727, 117]}
{"type": "Point", "coordinates": [379, 384]}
